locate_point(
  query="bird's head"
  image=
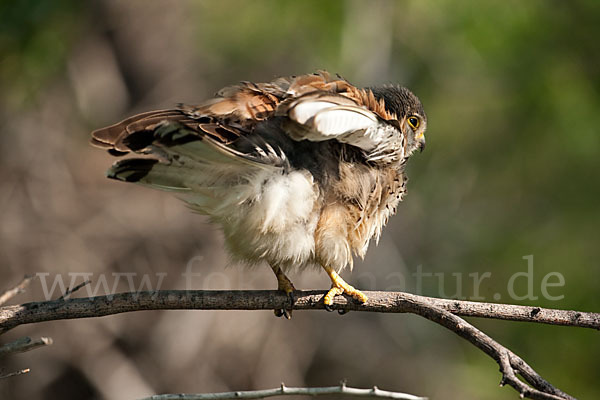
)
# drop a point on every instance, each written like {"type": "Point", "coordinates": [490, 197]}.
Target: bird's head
{"type": "Point", "coordinates": [410, 114]}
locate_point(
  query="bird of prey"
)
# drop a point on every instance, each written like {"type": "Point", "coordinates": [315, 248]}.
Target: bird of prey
{"type": "Point", "coordinates": [298, 172]}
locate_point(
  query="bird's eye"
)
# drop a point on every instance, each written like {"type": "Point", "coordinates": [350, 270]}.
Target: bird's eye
{"type": "Point", "coordinates": [414, 122]}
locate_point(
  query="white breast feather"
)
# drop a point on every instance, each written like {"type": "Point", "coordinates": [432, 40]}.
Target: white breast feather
{"type": "Point", "coordinates": [270, 215]}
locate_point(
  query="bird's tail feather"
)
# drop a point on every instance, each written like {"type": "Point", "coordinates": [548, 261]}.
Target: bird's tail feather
{"type": "Point", "coordinates": [178, 159]}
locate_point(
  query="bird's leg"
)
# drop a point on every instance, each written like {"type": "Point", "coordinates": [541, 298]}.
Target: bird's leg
{"type": "Point", "coordinates": [285, 285]}
{"type": "Point", "coordinates": [339, 286]}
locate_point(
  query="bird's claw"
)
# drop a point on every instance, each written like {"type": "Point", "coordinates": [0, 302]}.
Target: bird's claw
{"type": "Point", "coordinates": [341, 311]}
{"type": "Point", "coordinates": [287, 312]}
{"type": "Point", "coordinates": [286, 286]}
{"type": "Point", "coordinates": [282, 312]}
{"type": "Point", "coordinates": [339, 286]}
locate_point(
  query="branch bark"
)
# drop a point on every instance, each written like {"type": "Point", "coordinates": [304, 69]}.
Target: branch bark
{"type": "Point", "coordinates": [386, 302]}
{"type": "Point", "coordinates": [443, 312]}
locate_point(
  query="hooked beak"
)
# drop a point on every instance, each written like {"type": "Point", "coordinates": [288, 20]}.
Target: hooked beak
{"type": "Point", "coordinates": [421, 144]}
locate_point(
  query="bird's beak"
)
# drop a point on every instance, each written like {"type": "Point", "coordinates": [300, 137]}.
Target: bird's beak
{"type": "Point", "coordinates": [421, 144]}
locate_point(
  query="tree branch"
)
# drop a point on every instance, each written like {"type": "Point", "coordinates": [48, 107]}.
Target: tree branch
{"type": "Point", "coordinates": [24, 344]}
{"type": "Point", "coordinates": [291, 391]}
{"type": "Point", "coordinates": [386, 302]}
{"type": "Point", "coordinates": [444, 312]}
{"type": "Point", "coordinates": [509, 362]}
{"type": "Point", "coordinates": [20, 288]}
{"type": "Point", "coordinates": [16, 373]}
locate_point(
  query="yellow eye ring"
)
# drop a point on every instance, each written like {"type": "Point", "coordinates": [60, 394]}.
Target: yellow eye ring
{"type": "Point", "coordinates": [414, 122]}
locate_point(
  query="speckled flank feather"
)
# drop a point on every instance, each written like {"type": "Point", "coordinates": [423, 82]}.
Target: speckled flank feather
{"type": "Point", "coordinates": [300, 171]}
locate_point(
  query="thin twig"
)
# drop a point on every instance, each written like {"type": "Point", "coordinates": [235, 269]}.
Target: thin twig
{"type": "Point", "coordinates": [283, 390]}
{"type": "Point", "coordinates": [24, 344]}
{"type": "Point", "coordinates": [20, 288]}
{"type": "Point", "coordinates": [21, 372]}
{"type": "Point", "coordinates": [386, 302]}
{"type": "Point", "coordinates": [70, 291]}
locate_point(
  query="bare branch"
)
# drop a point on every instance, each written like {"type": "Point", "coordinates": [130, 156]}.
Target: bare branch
{"type": "Point", "coordinates": [24, 344]}
{"type": "Point", "coordinates": [283, 390]}
{"type": "Point", "coordinates": [20, 288]}
{"type": "Point", "coordinates": [16, 373]}
{"type": "Point", "coordinates": [386, 302]}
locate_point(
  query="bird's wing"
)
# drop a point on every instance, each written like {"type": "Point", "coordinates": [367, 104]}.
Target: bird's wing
{"type": "Point", "coordinates": [319, 106]}
{"type": "Point", "coordinates": [248, 103]}
{"type": "Point", "coordinates": [232, 114]}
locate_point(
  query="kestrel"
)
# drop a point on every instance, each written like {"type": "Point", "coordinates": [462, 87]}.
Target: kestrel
{"type": "Point", "coordinates": [298, 172]}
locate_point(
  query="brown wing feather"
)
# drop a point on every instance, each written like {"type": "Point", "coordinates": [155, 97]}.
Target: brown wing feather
{"type": "Point", "coordinates": [112, 137]}
{"type": "Point", "coordinates": [108, 136]}
{"type": "Point", "coordinates": [366, 98]}
{"type": "Point", "coordinates": [248, 103]}
{"type": "Point", "coordinates": [237, 109]}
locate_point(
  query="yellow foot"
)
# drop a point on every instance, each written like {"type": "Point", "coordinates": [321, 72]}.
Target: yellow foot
{"type": "Point", "coordinates": [285, 285]}
{"type": "Point", "coordinates": [339, 286]}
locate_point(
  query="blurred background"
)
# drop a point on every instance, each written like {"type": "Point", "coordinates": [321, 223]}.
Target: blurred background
{"type": "Point", "coordinates": [512, 92]}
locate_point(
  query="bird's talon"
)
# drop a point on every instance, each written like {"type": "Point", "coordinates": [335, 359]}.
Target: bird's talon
{"type": "Point", "coordinates": [328, 308]}
{"type": "Point", "coordinates": [287, 312]}
{"type": "Point", "coordinates": [342, 312]}
{"type": "Point", "coordinates": [286, 286]}
{"type": "Point", "coordinates": [339, 286]}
